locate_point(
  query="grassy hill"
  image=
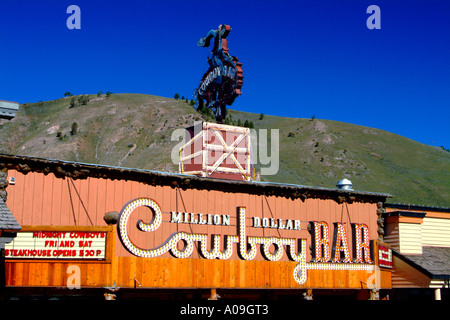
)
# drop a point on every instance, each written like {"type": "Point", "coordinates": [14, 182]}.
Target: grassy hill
{"type": "Point", "coordinates": [134, 130]}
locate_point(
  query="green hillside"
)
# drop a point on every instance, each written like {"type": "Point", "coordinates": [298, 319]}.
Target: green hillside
{"type": "Point", "coordinates": [134, 130]}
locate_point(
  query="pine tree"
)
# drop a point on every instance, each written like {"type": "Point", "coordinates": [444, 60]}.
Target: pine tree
{"type": "Point", "coordinates": [74, 129]}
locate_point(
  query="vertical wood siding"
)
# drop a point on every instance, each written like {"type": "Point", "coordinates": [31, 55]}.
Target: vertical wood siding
{"type": "Point", "coordinates": [44, 200]}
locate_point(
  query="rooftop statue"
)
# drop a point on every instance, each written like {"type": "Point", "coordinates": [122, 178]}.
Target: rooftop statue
{"type": "Point", "coordinates": [222, 82]}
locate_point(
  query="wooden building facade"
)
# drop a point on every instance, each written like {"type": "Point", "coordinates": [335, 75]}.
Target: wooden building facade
{"type": "Point", "coordinates": [98, 228]}
{"type": "Point", "coordinates": [420, 239]}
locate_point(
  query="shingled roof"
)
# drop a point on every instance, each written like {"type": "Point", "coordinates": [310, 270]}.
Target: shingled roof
{"type": "Point", "coordinates": [7, 220]}
{"type": "Point", "coordinates": [434, 262]}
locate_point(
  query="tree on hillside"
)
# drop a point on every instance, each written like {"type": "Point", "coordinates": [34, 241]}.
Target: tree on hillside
{"type": "Point", "coordinates": [67, 94]}
{"type": "Point", "coordinates": [83, 99]}
{"type": "Point", "coordinates": [176, 96]}
{"type": "Point", "coordinates": [72, 103]}
{"type": "Point", "coordinates": [74, 129]}
{"type": "Point", "coordinates": [228, 120]}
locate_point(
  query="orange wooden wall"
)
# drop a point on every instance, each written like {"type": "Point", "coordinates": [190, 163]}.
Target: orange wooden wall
{"type": "Point", "coordinates": [39, 200]}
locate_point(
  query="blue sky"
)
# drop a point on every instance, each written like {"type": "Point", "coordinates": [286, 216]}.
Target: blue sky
{"type": "Point", "coordinates": [300, 58]}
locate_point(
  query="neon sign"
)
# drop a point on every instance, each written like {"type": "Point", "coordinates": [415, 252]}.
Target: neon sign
{"type": "Point", "coordinates": [324, 257]}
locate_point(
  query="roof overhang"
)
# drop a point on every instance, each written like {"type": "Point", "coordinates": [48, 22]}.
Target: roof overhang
{"type": "Point", "coordinates": [76, 170]}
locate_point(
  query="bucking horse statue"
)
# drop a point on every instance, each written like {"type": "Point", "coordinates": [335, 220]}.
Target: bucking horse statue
{"type": "Point", "coordinates": [222, 82]}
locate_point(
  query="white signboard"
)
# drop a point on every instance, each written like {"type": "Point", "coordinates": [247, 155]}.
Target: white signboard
{"type": "Point", "coordinates": [57, 245]}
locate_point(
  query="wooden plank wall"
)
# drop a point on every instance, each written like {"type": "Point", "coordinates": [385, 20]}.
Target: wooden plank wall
{"type": "Point", "coordinates": [39, 200]}
{"type": "Point", "coordinates": [408, 235]}
{"type": "Point", "coordinates": [405, 276]}
{"type": "Point", "coordinates": [436, 230]}
{"type": "Point", "coordinates": [181, 273]}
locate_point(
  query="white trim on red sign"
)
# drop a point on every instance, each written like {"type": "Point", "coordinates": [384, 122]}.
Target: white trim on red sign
{"type": "Point", "coordinates": [384, 257]}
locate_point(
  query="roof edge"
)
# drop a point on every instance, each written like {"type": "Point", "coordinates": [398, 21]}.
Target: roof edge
{"type": "Point", "coordinates": [404, 214]}
{"type": "Point", "coordinates": [408, 207]}
{"type": "Point", "coordinates": [412, 264]}
{"type": "Point", "coordinates": [419, 267]}
{"type": "Point", "coordinates": [77, 170]}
